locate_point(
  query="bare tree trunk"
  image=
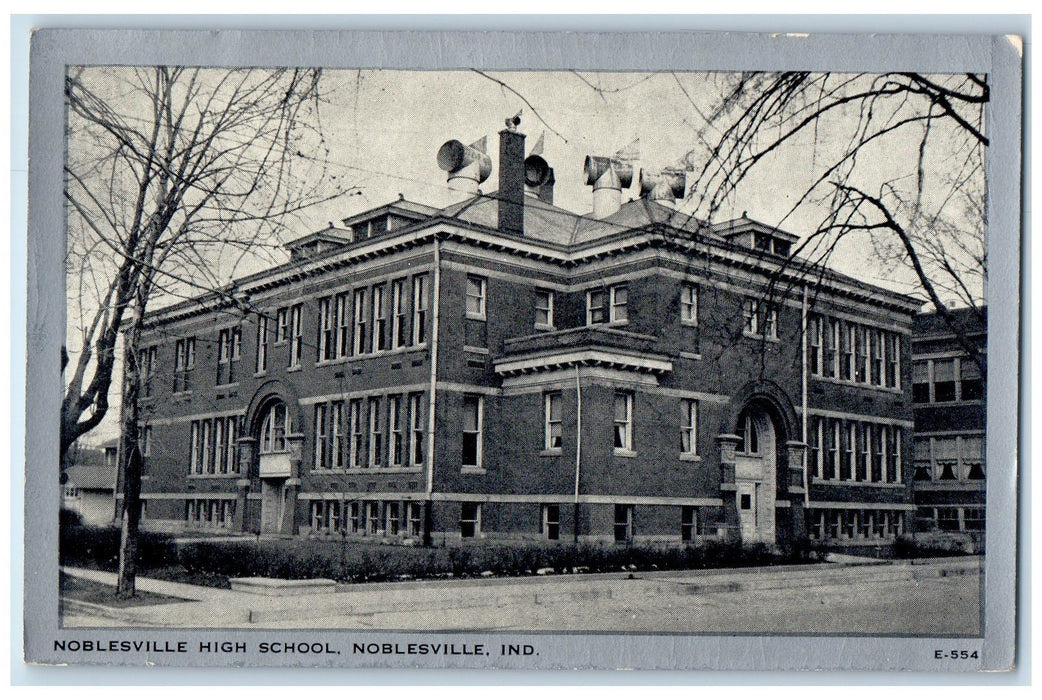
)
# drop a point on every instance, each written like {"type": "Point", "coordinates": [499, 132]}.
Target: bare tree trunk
{"type": "Point", "coordinates": [131, 459]}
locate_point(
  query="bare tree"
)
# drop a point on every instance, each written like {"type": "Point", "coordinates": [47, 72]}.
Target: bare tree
{"type": "Point", "coordinates": [897, 157]}
{"type": "Point", "coordinates": [174, 177]}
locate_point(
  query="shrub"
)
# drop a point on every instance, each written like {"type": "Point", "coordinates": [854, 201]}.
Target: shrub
{"type": "Point", "coordinates": [90, 546]}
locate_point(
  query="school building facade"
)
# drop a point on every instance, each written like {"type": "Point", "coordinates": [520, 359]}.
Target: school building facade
{"type": "Point", "coordinates": [504, 369]}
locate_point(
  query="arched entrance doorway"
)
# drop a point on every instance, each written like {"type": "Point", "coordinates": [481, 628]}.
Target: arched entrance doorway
{"type": "Point", "coordinates": [273, 427]}
{"type": "Point", "coordinates": [756, 470]}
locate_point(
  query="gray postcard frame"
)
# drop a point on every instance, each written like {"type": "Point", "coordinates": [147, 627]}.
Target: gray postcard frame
{"type": "Point", "coordinates": [1002, 57]}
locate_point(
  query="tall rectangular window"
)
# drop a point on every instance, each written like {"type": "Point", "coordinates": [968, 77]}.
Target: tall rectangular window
{"type": "Point", "coordinates": [229, 351]}
{"type": "Point", "coordinates": [689, 304]}
{"type": "Point", "coordinates": [417, 430]}
{"type": "Point", "coordinates": [343, 325]}
{"type": "Point", "coordinates": [207, 438]}
{"type": "Point", "coordinates": [322, 452]}
{"type": "Point", "coordinates": [337, 428]}
{"type": "Point", "coordinates": [862, 354]}
{"type": "Point", "coordinates": [750, 312]}
{"type": "Point", "coordinates": [397, 425]}
{"type": "Point", "coordinates": [893, 454]}
{"type": "Point", "coordinates": [326, 329]}
{"type": "Point", "coordinates": [184, 363]}
{"type": "Point", "coordinates": [470, 520]}
{"type": "Point", "coordinates": [879, 358]}
{"type": "Point", "coordinates": [415, 516]}
{"type": "Point", "coordinates": [262, 344]}
{"type": "Point", "coordinates": [944, 380]}
{"type": "Point", "coordinates": [195, 456]}
{"type": "Point", "coordinates": [846, 471]}
{"type": "Point", "coordinates": [357, 434]}
{"type": "Point", "coordinates": [552, 421]}
{"type": "Point", "coordinates": [419, 309]}
{"type": "Point", "coordinates": [689, 427]}
{"type": "Point", "coordinates": [552, 521]}
{"type": "Point", "coordinates": [595, 311]}
{"type": "Point", "coordinates": [970, 384]}
{"type": "Point", "coordinates": [231, 430]}
{"type": "Point", "coordinates": [220, 445]}
{"type": "Point", "coordinates": [878, 453]}
{"type": "Point", "coordinates": [893, 361]}
{"type": "Point", "coordinates": [475, 296]}
{"type": "Point", "coordinates": [814, 345]}
{"type": "Point", "coordinates": [399, 316]}
{"type": "Point", "coordinates": [846, 360]}
{"type": "Point", "coordinates": [688, 524]}
{"type": "Point", "coordinates": [921, 381]}
{"type": "Point", "coordinates": [472, 428]}
{"type": "Point", "coordinates": [360, 321]}
{"type": "Point", "coordinates": [816, 448]}
{"type": "Point", "coordinates": [392, 520]}
{"type": "Point", "coordinates": [376, 434]}
{"type": "Point", "coordinates": [379, 318]}
{"type": "Point", "coordinates": [623, 523]}
{"type": "Point", "coordinates": [864, 459]}
{"type": "Point", "coordinates": [372, 525]}
{"type": "Point", "coordinates": [832, 449]}
{"type": "Point", "coordinates": [282, 325]}
{"type": "Point", "coordinates": [619, 312]}
{"type": "Point", "coordinates": [296, 341]}
{"type": "Point", "coordinates": [147, 369]}
{"type": "Point", "coordinates": [622, 421]}
{"type": "Point", "coordinates": [835, 331]}
{"type": "Point", "coordinates": [544, 308]}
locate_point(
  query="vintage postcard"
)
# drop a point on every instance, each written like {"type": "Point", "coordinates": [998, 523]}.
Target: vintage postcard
{"type": "Point", "coordinates": [668, 351]}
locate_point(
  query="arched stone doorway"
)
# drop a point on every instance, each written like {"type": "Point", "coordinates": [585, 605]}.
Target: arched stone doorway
{"type": "Point", "coordinates": [272, 449]}
{"type": "Point", "coordinates": [761, 459]}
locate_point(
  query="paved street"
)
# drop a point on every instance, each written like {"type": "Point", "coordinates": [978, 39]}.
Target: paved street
{"type": "Point", "coordinates": [933, 598]}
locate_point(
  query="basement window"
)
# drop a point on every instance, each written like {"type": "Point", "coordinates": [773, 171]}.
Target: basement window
{"type": "Point", "coordinates": [470, 520]}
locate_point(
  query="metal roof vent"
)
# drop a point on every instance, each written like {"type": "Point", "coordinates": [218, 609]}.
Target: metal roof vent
{"type": "Point", "coordinates": [467, 166]}
{"type": "Point", "coordinates": [665, 186]}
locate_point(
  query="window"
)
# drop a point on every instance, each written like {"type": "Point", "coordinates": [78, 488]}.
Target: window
{"type": "Point", "coordinates": [619, 304]}
{"type": "Point", "coordinates": [275, 427]}
{"type": "Point", "coordinates": [921, 382]}
{"type": "Point", "coordinates": [195, 458]}
{"type": "Point", "coordinates": [184, 363]}
{"type": "Point", "coordinates": [815, 337]}
{"type": "Point", "coordinates": [419, 309]}
{"type": "Point", "coordinates": [878, 358]}
{"type": "Point", "coordinates": [415, 515]}
{"type": "Point", "coordinates": [862, 354]}
{"type": "Point", "coordinates": [831, 448]}
{"type": "Point", "coordinates": [760, 319]}
{"type": "Point", "coordinates": [864, 456]}
{"type": "Point", "coordinates": [623, 523]}
{"type": "Point", "coordinates": [544, 308]}
{"type": "Point", "coordinates": [416, 429]}
{"type": "Point", "coordinates": [595, 312]}
{"type": "Point", "coordinates": [398, 314]}
{"type": "Point", "coordinates": [392, 521]}
{"type": "Point", "coordinates": [475, 297]}
{"type": "Point", "coordinates": [322, 436]}
{"type": "Point", "coordinates": [343, 325]}
{"type": "Point", "coordinates": [296, 341]}
{"type": "Point", "coordinates": [816, 451]}
{"type": "Point", "coordinates": [360, 322]}
{"type": "Point", "coordinates": [472, 419]}
{"type": "Point", "coordinates": [552, 421]}
{"type": "Point", "coordinates": [354, 517]}
{"type": "Point", "coordinates": [376, 434]}
{"type": "Point", "coordinates": [846, 360]}
{"type": "Point", "coordinates": [893, 361]}
{"type": "Point", "coordinates": [282, 323]}
{"type": "Point", "coordinates": [262, 344]}
{"type": "Point", "coordinates": [893, 455]}
{"type": "Point", "coordinates": [944, 380]}
{"type": "Point", "coordinates": [551, 524]}
{"type": "Point", "coordinates": [623, 422]}
{"type": "Point", "coordinates": [372, 524]}
{"type": "Point", "coordinates": [689, 304]}
{"type": "Point", "coordinates": [206, 436]}
{"type": "Point", "coordinates": [688, 523]}
{"type": "Point", "coordinates": [397, 425]}
{"type": "Point", "coordinates": [749, 437]}
{"type": "Point", "coordinates": [231, 465]}
{"type": "Point", "coordinates": [688, 427]}
{"type": "Point", "coordinates": [327, 346]}
{"type": "Point", "coordinates": [147, 369]}
{"type": "Point", "coordinates": [357, 435]}
{"type": "Point", "coordinates": [835, 330]}
{"type": "Point", "coordinates": [878, 453]}
{"type": "Point", "coordinates": [971, 386]}
{"type": "Point", "coordinates": [219, 445]}
{"type": "Point", "coordinates": [229, 352]}
{"type": "Point", "coordinates": [146, 441]}
{"type": "Point", "coordinates": [470, 520]}
{"type": "Point", "coordinates": [379, 319]}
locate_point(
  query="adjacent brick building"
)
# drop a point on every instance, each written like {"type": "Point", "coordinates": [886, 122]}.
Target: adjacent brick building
{"type": "Point", "coordinates": [505, 369]}
{"type": "Point", "coordinates": [949, 393]}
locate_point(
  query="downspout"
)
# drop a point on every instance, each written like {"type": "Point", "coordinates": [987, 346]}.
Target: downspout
{"type": "Point", "coordinates": [803, 403]}
{"type": "Point", "coordinates": [578, 450]}
{"type": "Point", "coordinates": [432, 403]}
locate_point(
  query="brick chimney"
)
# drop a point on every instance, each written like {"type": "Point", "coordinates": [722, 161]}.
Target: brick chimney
{"type": "Point", "coordinates": [512, 178]}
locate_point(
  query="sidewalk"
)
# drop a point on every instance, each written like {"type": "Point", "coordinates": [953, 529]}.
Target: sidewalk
{"type": "Point", "coordinates": [357, 605]}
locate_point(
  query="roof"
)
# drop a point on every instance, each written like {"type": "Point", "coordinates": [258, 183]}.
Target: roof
{"type": "Point", "coordinates": [932, 324]}
{"type": "Point", "coordinates": [91, 477]}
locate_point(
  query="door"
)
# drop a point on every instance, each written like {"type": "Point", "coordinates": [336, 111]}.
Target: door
{"type": "Point", "coordinates": [746, 494]}
{"type": "Point", "coordinates": [272, 506]}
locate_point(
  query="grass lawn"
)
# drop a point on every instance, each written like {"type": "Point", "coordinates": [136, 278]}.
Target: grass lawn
{"type": "Point", "coordinates": [87, 591]}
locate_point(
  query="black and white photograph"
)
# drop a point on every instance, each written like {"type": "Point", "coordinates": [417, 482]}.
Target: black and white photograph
{"type": "Point", "coordinates": [421, 366]}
